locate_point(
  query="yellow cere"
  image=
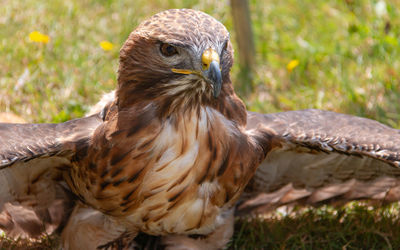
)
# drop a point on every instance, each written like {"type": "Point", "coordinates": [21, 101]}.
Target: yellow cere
{"type": "Point", "coordinates": [208, 56]}
{"type": "Point", "coordinates": [37, 37]}
{"type": "Point", "coordinates": [106, 45]}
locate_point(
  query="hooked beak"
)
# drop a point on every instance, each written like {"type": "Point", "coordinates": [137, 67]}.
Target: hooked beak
{"type": "Point", "coordinates": [211, 71]}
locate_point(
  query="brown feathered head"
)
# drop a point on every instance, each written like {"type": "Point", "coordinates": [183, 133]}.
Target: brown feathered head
{"type": "Point", "coordinates": [181, 56]}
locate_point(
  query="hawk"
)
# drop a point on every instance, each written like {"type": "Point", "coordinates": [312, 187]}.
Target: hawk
{"type": "Point", "coordinates": [171, 152]}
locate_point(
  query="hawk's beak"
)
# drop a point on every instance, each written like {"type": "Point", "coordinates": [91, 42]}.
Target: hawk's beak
{"type": "Point", "coordinates": [211, 70]}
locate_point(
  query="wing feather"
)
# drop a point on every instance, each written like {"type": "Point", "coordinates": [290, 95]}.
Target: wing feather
{"type": "Point", "coordinates": [34, 199]}
{"type": "Point", "coordinates": [324, 156]}
{"type": "Point", "coordinates": [23, 142]}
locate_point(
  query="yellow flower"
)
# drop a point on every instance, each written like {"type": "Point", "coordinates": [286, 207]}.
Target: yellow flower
{"type": "Point", "coordinates": [292, 64]}
{"type": "Point", "coordinates": [37, 37]}
{"type": "Point", "coordinates": [106, 45]}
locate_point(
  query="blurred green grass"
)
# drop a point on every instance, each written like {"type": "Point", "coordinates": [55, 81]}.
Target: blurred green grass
{"type": "Point", "coordinates": [348, 53]}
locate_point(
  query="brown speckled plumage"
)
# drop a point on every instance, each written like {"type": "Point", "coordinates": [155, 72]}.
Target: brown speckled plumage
{"type": "Point", "coordinates": [164, 156]}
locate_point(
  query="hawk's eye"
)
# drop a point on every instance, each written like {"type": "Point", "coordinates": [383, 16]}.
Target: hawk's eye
{"type": "Point", "coordinates": [168, 50]}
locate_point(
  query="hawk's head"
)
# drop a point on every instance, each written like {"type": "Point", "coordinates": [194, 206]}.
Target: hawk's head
{"type": "Point", "coordinates": [181, 54]}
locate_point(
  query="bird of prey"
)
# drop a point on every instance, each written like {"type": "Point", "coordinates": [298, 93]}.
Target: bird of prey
{"type": "Point", "coordinates": [172, 150]}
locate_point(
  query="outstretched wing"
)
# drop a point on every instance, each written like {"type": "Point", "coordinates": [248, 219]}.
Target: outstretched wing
{"type": "Point", "coordinates": [33, 196]}
{"type": "Point", "coordinates": [23, 142]}
{"type": "Point", "coordinates": [324, 156]}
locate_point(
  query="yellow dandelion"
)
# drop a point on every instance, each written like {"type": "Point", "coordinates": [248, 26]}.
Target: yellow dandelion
{"type": "Point", "coordinates": [37, 37]}
{"type": "Point", "coordinates": [292, 64]}
{"type": "Point", "coordinates": [106, 45]}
